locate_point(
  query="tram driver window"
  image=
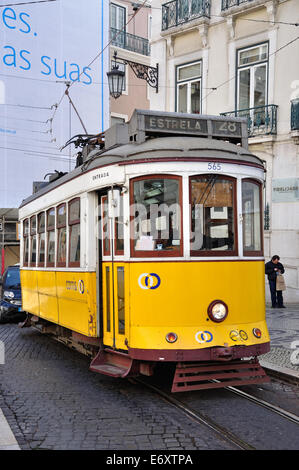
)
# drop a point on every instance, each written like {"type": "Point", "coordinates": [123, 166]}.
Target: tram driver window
{"type": "Point", "coordinates": [213, 215]}
{"type": "Point", "coordinates": [156, 216]}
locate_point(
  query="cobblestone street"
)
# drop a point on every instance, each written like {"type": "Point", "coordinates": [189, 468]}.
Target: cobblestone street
{"type": "Point", "coordinates": [52, 401]}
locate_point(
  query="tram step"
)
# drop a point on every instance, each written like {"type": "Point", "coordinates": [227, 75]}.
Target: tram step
{"type": "Point", "coordinates": [199, 376]}
{"type": "Point", "coordinates": [113, 363]}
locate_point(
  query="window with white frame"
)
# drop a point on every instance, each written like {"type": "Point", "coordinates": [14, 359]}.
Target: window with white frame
{"type": "Point", "coordinates": [117, 16]}
{"type": "Point", "coordinates": [188, 87]}
{"type": "Point", "coordinates": [252, 65]}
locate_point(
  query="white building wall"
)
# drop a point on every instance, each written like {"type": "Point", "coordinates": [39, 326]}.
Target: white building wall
{"type": "Point", "coordinates": [216, 40]}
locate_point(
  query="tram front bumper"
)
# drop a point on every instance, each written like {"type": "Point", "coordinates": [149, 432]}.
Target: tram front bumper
{"type": "Point", "coordinates": [206, 354]}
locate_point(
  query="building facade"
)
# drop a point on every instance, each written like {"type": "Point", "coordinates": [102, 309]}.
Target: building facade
{"type": "Point", "coordinates": [9, 238]}
{"type": "Point", "coordinates": [130, 29]}
{"type": "Point", "coordinates": [240, 58]}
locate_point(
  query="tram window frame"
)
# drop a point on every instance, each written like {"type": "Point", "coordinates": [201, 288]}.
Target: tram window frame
{"type": "Point", "coordinates": [71, 224]}
{"type": "Point", "coordinates": [59, 227]}
{"type": "Point", "coordinates": [33, 236]}
{"type": "Point", "coordinates": [118, 223]}
{"type": "Point", "coordinates": [156, 253]}
{"type": "Point", "coordinates": [26, 239]}
{"type": "Point", "coordinates": [260, 187]}
{"type": "Point", "coordinates": [50, 228]}
{"type": "Point", "coordinates": [217, 253]}
{"type": "Point", "coordinates": [41, 232]}
{"type": "Point", "coordinates": [105, 248]}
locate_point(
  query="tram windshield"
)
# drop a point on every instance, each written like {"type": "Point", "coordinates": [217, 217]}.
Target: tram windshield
{"type": "Point", "coordinates": [156, 212]}
{"type": "Point", "coordinates": [213, 215]}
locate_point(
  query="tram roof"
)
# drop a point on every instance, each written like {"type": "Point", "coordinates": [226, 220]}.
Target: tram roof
{"type": "Point", "coordinates": [169, 148]}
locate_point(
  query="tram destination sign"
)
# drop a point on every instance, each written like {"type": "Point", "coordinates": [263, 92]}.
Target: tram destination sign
{"type": "Point", "coordinates": [151, 122]}
{"type": "Point", "coordinates": [163, 123]}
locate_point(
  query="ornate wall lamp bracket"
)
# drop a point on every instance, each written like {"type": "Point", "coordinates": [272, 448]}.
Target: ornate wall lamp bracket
{"type": "Point", "coordinates": [144, 72]}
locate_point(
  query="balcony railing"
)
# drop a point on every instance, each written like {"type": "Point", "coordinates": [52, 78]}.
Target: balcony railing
{"type": "Point", "coordinates": [295, 115]}
{"type": "Point", "coordinates": [262, 120]}
{"type": "Point", "coordinates": [178, 12]}
{"type": "Point", "coordinates": [129, 41]}
{"type": "Point", "coordinates": [226, 4]}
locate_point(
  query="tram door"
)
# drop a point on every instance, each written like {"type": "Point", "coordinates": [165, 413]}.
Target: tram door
{"type": "Point", "coordinates": [113, 271]}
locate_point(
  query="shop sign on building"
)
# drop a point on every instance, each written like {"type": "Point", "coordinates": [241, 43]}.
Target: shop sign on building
{"type": "Point", "coordinates": [285, 190]}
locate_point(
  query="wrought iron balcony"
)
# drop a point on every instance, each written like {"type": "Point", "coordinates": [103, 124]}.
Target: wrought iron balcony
{"type": "Point", "coordinates": [129, 41]}
{"type": "Point", "coordinates": [262, 120]}
{"type": "Point", "coordinates": [226, 4]}
{"type": "Point", "coordinates": [177, 12]}
{"type": "Point", "coordinates": [295, 115]}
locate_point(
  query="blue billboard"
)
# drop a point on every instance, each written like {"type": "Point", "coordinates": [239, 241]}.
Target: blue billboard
{"type": "Point", "coordinates": [47, 47]}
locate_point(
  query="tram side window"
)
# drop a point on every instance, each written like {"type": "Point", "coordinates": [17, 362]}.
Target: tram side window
{"type": "Point", "coordinates": [26, 242]}
{"type": "Point", "coordinates": [42, 238]}
{"type": "Point", "coordinates": [251, 212]}
{"type": "Point", "coordinates": [33, 241]}
{"type": "Point", "coordinates": [213, 225]}
{"type": "Point", "coordinates": [156, 216]}
{"type": "Point", "coordinates": [51, 237]}
{"type": "Point", "coordinates": [74, 232]}
{"type": "Point", "coordinates": [61, 235]}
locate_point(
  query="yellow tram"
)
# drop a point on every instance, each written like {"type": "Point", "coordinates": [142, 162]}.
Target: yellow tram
{"type": "Point", "coordinates": [151, 251]}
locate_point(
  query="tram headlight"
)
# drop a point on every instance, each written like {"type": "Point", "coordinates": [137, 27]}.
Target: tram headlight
{"type": "Point", "coordinates": [171, 337]}
{"type": "Point", "coordinates": [217, 311]}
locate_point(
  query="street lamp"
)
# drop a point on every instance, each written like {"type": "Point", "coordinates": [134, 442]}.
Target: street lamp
{"type": "Point", "coordinates": [116, 79]}
{"type": "Point", "coordinates": [144, 72]}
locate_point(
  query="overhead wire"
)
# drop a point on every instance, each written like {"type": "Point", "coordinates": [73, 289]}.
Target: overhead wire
{"type": "Point", "coordinates": [26, 3]}
{"type": "Point", "coordinates": [39, 153]}
{"type": "Point", "coordinates": [94, 59]}
{"type": "Point", "coordinates": [22, 119]}
{"type": "Point", "coordinates": [25, 106]}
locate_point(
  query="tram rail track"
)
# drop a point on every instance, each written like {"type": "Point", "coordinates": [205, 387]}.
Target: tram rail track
{"type": "Point", "coordinates": [198, 417]}
{"type": "Point", "coordinates": [201, 418]}
{"type": "Point", "coordinates": [276, 409]}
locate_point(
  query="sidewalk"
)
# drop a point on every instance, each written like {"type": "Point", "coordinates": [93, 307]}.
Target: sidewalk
{"type": "Point", "coordinates": [283, 325]}
{"type": "Point", "coordinates": [7, 439]}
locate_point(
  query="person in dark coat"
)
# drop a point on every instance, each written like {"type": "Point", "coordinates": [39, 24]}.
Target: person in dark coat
{"type": "Point", "coordinates": [272, 268]}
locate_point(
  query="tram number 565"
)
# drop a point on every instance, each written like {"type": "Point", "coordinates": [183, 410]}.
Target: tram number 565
{"type": "Point", "coordinates": [214, 166]}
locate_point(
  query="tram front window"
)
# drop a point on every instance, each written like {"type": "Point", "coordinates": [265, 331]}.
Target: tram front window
{"type": "Point", "coordinates": [156, 213]}
{"type": "Point", "coordinates": [213, 215]}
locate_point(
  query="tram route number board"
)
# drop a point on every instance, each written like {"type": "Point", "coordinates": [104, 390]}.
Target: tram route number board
{"type": "Point", "coordinates": [193, 126]}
